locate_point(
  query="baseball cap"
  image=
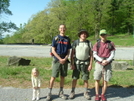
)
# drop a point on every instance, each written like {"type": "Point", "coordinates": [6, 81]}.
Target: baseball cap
{"type": "Point", "coordinates": [103, 31]}
{"type": "Point", "coordinates": [83, 30]}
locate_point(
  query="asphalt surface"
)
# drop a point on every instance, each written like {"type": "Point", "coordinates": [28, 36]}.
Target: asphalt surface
{"type": "Point", "coordinates": [19, 94]}
{"type": "Point", "coordinates": [121, 53]}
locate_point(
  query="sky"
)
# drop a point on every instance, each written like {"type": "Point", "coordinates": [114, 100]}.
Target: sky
{"type": "Point", "coordinates": [23, 9]}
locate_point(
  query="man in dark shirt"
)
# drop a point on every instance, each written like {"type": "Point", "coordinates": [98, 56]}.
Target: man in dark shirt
{"type": "Point", "coordinates": [60, 49]}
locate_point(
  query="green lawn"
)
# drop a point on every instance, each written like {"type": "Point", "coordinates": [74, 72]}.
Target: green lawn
{"type": "Point", "coordinates": [22, 74]}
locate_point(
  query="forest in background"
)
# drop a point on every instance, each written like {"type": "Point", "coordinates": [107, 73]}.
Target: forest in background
{"type": "Point", "coordinates": [116, 16]}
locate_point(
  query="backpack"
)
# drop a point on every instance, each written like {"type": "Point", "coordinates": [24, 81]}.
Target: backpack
{"type": "Point", "coordinates": [110, 46]}
{"type": "Point", "coordinates": [87, 41]}
{"type": "Point", "coordinates": [57, 39]}
{"type": "Point", "coordinates": [76, 43]}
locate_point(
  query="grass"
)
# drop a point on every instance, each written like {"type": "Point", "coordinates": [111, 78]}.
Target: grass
{"type": "Point", "coordinates": [20, 76]}
{"type": "Point", "coordinates": [119, 40]}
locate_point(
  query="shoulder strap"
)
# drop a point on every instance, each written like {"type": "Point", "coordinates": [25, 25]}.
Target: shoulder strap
{"type": "Point", "coordinates": [76, 42]}
{"type": "Point", "coordinates": [89, 44]}
{"type": "Point", "coordinates": [98, 44]}
{"type": "Point", "coordinates": [57, 38]}
{"type": "Point", "coordinates": [110, 46]}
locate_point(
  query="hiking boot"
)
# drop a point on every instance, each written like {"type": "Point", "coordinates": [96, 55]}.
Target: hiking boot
{"type": "Point", "coordinates": [103, 98]}
{"type": "Point", "coordinates": [48, 97]}
{"type": "Point", "coordinates": [71, 96]}
{"type": "Point", "coordinates": [61, 95]}
{"type": "Point", "coordinates": [87, 96]}
{"type": "Point", "coordinates": [97, 98]}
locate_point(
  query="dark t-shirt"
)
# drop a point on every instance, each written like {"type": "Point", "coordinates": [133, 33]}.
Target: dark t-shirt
{"type": "Point", "coordinates": [62, 44]}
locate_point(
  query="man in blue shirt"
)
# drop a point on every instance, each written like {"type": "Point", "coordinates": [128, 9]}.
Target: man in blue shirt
{"type": "Point", "coordinates": [60, 49]}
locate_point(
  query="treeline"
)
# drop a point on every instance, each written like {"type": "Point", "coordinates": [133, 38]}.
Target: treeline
{"type": "Point", "coordinates": [117, 16]}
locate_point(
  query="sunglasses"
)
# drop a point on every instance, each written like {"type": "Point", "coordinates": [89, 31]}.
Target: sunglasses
{"type": "Point", "coordinates": [103, 34]}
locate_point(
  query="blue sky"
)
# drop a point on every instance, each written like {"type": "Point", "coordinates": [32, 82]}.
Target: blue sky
{"type": "Point", "coordinates": [23, 9]}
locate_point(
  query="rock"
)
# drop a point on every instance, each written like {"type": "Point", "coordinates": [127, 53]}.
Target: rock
{"type": "Point", "coordinates": [119, 65]}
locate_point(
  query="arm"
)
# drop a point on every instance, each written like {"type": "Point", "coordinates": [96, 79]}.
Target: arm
{"type": "Point", "coordinates": [72, 59]}
{"type": "Point", "coordinates": [105, 62]}
{"type": "Point", "coordinates": [39, 82]}
{"type": "Point", "coordinates": [91, 61]}
{"type": "Point", "coordinates": [111, 56]}
{"type": "Point", "coordinates": [62, 61]}
{"type": "Point", "coordinates": [97, 57]}
{"type": "Point", "coordinates": [33, 84]}
{"type": "Point", "coordinates": [55, 54]}
{"type": "Point", "coordinates": [67, 55]}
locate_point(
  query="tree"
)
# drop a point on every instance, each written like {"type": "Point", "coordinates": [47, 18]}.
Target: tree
{"type": "Point", "coordinates": [4, 26]}
{"type": "Point", "coordinates": [98, 8]}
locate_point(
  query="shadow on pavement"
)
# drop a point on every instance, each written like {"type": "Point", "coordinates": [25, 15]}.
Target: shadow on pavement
{"type": "Point", "coordinates": [119, 91]}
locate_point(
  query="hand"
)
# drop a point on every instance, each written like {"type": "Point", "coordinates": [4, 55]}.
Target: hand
{"type": "Point", "coordinates": [104, 62]}
{"type": "Point", "coordinates": [62, 61]}
{"type": "Point", "coordinates": [72, 67]}
{"type": "Point", "coordinates": [89, 68]}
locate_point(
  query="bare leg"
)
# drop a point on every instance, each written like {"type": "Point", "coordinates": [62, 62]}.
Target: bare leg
{"type": "Point", "coordinates": [74, 82]}
{"type": "Point", "coordinates": [97, 86]}
{"type": "Point", "coordinates": [62, 81]}
{"type": "Point", "coordinates": [86, 83]}
{"type": "Point", "coordinates": [104, 88]}
{"type": "Point", "coordinates": [51, 82]}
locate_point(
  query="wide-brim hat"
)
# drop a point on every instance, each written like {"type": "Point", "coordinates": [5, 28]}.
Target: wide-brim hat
{"type": "Point", "coordinates": [83, 30]}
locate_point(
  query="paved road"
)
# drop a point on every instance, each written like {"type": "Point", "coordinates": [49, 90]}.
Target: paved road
{"type": "Point", "coordinates": [122, 53]}
{"type": "Point", "coordinates": [18, 94]}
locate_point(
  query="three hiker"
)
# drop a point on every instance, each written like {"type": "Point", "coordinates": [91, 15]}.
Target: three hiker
{"type": "Point", "coordinates": [81, 62]}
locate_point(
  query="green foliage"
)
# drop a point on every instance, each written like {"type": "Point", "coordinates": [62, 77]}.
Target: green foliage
{"type": "Point", "coordinates": [5, 26]}
{"type": "Point", "coordinates": [4, 4]}
{"type": "Point", "coordinates": [116, 16]}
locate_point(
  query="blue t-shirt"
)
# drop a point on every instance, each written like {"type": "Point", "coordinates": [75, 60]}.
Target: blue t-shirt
{"type": "Point", "coordinates": [61, 44]}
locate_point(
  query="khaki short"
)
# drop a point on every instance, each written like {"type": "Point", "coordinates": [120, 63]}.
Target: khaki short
{"type": "Point", "coordinates": [59, 68]}
{"type": "Point", "coordinates": [101, 71]}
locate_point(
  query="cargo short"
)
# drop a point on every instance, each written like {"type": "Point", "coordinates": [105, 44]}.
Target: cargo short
{"type": "Point", "coordinates": [102, 71]}
{"type": "Point", "coordinates": [59, 68]}
{"type": "Point", "coordinates": [81, 69]}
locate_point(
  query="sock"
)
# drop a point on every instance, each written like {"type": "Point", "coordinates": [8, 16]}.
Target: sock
{"type": "Point", "coordinates": [73, 89]}
{"type": "Point", "coordinates": [61, 88]}
{"type": "Point", "coordinates": [50, 90]}
{"type": "Point", "coordinates": [86, 89]}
